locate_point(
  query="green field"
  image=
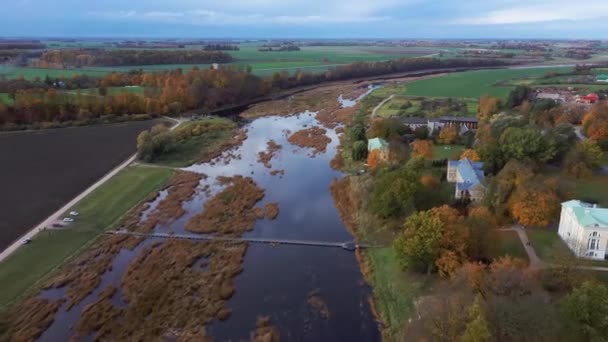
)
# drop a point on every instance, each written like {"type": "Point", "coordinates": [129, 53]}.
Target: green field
{"type": "Point", "coordinates": [398, 106]}
{"type": "Point", "coordinates": [99, 211]}
{"type": "Point", "coordinates": [451, 152]}
{"type": "Point", "coordinates": [510, 244]}
{"type": "Point", "coordinates": [473, 84]}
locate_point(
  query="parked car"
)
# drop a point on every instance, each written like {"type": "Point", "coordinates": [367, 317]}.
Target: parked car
{"type": "Point", "coordinates": [74, 213]}
{"type": "Point", "coordinates": [26, 241]}
{"type": "Point", "coordinates": [68, 219]}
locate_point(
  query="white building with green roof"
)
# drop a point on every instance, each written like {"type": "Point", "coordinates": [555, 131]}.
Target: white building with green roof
{"type": "Point", "coordinates": [602, 78]}
{"type": "Point", "coordinates": [584, 228]}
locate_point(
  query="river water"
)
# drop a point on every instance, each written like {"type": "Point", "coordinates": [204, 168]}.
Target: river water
{"type": "Point", "coordinates": [277, 280]}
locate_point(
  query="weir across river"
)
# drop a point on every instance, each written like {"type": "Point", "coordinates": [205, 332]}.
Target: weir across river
{"type": "Point", "coordinates": [349, 245]}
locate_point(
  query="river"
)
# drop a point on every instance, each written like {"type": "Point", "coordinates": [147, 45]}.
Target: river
{"type": "Point", "coordinates": [277, 280]}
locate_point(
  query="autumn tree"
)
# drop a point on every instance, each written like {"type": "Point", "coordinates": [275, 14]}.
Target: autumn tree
{"type": "Point", "coordinates": [422, 148]}
{"type": "Point", "coordinates": [534, 204]}
{"type": "Point", "coordinates": [482, 239]}
{"type": "Point", "coordinates": [470, 154]}
{"type": "Point", "coordinates": [595, 123]}
{"type": "Point", "coordinates": [453, 242]}
{"type": "Point", "coordinates": [488, 106]}
{"type": "Point", "coordinates": [448, 135]}
{"type": "Point", "coordinates": [429, 181]}
{"type": "Point", "coordinates": [586, 309]}
{"type": "Point", "coordinates": [374, 159]}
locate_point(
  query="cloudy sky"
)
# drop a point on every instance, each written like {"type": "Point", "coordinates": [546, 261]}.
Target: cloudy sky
{"type": "Point", "coordinates": [306, 18]}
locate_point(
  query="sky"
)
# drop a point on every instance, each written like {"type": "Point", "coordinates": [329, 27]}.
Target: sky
{"type": "Point", "coordinates": [437, 19]}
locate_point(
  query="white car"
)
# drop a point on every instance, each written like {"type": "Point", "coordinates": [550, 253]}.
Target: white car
{"type": "Point", "coordinates": [74, 213]}
{"type": "Point", "coordinates": [68, 219]}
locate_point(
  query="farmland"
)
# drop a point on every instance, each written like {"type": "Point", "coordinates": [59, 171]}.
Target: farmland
{"type": "Point", "coordinates": [100, 210]}
{"type": "Point", "coordinates": [473, 84]}
{"type": "Point", "coordinates": [43, 170]}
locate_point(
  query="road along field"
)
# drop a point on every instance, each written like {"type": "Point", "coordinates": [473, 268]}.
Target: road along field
{"type": "Point", "coordinates": [42, 170]}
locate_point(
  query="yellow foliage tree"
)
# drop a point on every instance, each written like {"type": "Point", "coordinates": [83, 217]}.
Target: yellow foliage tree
{"type": "Point", "coordinates": [448, 135]}
{"type": "Point", "coordinates": [373, 159]}
{"type": "Point", "coordinates": [470, 154]}
{"type": "Point", "coordinates": [488, 106]}
{"type": "Point", "coordinates": [534, 205]}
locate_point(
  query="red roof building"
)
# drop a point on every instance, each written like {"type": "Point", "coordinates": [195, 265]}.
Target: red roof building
{"type": "Point", "coordinates": [590, 98]}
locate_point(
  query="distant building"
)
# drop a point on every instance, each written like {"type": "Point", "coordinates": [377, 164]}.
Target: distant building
{"type": "Point", "coordinates": [215, 66]}
{"type": "Point", "coordinates": [463, 124]}
{"type": "Point", "coordinates": [550, 96]}
{"type": "Point", "coordinates": [378, 144]}
{"type": "Point", "coordinates": [469, 178]}
{"type": "Point", "coordinates": [602, 78]}
{"type": "Point", "coordinates": [584, 228]}
{"type": "Point", "coordinates": [414, 122]}
{"type": "Point", "coordinates": [589, 98]}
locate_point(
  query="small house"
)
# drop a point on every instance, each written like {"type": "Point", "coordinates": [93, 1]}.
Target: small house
{"type": "Point", "coordinates": [584, 228]}
{"type": "Point", "coordinates": [589, 98]}
{"type": "Point", "coordinates": [469, 177]}
{"type": "Point", "coordinates": [414, 122]}
{"type": "Point", "coordinates": [380, 145]}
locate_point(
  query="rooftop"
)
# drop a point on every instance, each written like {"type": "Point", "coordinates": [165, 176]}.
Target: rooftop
{"type": "Point", "coordinates": [413, 120]}
{"type": "Point", "coordinates": [588, 214]}
{"type": "Point", "coordinates": [376, 144]}
{"type": "Point", "coordinates": [470, 172]}
{"type": "Point", "coordinates": [458, 119]}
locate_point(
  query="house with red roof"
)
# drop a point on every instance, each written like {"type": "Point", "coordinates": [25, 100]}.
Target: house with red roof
{"type": "Point", "coordinates": [589, 98]}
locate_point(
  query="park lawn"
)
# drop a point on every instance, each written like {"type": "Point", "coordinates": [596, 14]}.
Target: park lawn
{"type": "Point", "coordinates": [395, 290]}
{"type": "Point", "coordinates": [451, 152]}
{"type": "Point", "coordinates": [101, 210]}
{"type": "Point", "coordinates": [473, 84]}
{"type": "Point", "coordinates": [592, 189]}
{"type": "Point", "coordinates": [510, 244]}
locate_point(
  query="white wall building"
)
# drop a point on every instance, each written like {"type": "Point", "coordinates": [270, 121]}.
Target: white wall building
{"type": "Point", "coordinates": [469, 178]}
{"type": "Point", "coordinates": [584, 228]}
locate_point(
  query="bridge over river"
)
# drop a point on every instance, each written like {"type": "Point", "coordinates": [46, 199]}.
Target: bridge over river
{"type": "Point", "coordinates": [349, 245]}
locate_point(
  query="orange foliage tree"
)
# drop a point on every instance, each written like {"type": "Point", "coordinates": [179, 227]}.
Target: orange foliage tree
{"type": "Point", "coordinates": [448, 135]}
{"type": "Point", "coordinates": [373, 159]}
{"type": "Point", "coordinates": [422, 148]}
{"type": "Point", "coordinates": [429, 181]}
{"type": "Point", "coordinates": [595, 123]}
{"type": "Point", "coordinates": [534, 204]}
{"type": "Point", "coordinates": [470, 154]}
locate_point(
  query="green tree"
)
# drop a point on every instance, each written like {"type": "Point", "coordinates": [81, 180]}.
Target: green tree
{"type": "Point", "coordinates": [359, 151]}
{"type": "Point", "coordinates": [477, 329]}
{"type": "Point", "coordinates": [394, 190]}
{"type": "Point", "coordinates": [583, 159]}
{"type": "Point", "coordinates": [587, 308]}
{"type": "Point", "coordinates": [527, 143]}
{"type": "Point", "coordinates": [517, 96]}
{"type": "Point", "coordinates": [419, 244]}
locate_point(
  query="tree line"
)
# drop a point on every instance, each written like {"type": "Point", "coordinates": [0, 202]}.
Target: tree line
{"type": "Point", "coordinates": [91, 57]}
{"type": "Point", "coordinates": [175, 91]}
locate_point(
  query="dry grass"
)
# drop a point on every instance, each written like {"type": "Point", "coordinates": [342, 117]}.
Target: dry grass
{"type": "Point", "coordinates": [173, 304]}
{"type": "Point", "coordinates": [264, 332]}
{"type": "Point", "coordinates": [272, 211]}
{"type": "Point", "coordinates": [313, 137]}
{"type": "Point", "coordinates": [264, 157]}
{"type": "Point", "coordinates": [231, 211]}
{"type": "Point", "coordinates": [318, 304]}
{"type": "Point", "coordinates": [32, 318]}
{"type": "Point", "coordinates": [228, 145]}
{"type": "Point", "coordinates": [346, 202]}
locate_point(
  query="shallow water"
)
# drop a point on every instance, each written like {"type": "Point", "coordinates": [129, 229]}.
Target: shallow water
{"type": "Point", "coordinates": [276, 280]}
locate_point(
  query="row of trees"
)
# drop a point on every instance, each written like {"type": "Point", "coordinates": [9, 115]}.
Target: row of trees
{"type": "Point", "coordinates": [92, 57]}
{"type": "Point", "coordinates": [170, 92]}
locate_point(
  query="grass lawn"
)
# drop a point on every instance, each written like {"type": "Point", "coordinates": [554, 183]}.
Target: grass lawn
{"type": "Point", "coordinates": [394, 289]}
{"type": "Point", "coordinates": [510, 244]}
{"type": "Point", "coordinates": [473, 84]}
{"type": "Point", "coordinates": [191, 150]}
{"type": "Point", "coordinates": [451, 152]}
{"type": "Point", "coordinates": [592, 189]}
{"type": "Point", "coordinates": [99, 211]}
{"type": "Point", "coordinates": [547, 244]}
